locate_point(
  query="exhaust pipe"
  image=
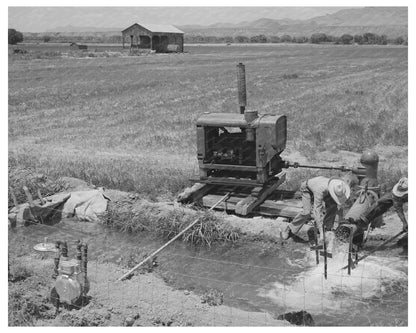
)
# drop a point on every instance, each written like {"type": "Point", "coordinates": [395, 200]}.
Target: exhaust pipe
{"type": "Point", "coordinates": [241, 84]}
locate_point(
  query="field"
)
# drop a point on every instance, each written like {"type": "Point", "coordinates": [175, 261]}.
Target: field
{"type": "Point", "coordinates": [129, 122]}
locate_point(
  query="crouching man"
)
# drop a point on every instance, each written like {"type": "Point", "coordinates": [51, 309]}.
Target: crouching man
{"type": "Point", "coordinates": [396, 198]}
{"type": "Point", "coordinates": [321, 197]}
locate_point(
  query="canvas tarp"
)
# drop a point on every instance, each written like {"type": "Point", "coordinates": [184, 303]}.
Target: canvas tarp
{"type": "Point", "coordinates": [87, 205]}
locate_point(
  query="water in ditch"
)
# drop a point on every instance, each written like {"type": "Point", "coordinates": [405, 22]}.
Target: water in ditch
{"type": "Point", "coordinates": [258, 276]}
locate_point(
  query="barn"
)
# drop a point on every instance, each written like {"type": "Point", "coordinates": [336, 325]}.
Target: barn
{"type": "Point", "coordinates": [157, 37]}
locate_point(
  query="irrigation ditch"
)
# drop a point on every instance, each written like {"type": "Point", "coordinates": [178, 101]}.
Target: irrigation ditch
{"type": "Point", "coordinates": [225, 271]}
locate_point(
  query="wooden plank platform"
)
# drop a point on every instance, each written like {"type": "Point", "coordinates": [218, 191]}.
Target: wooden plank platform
{"type": "Point", "coordinates": [245, 199]}
{"type": "Point", "coordinates": [288, 208]}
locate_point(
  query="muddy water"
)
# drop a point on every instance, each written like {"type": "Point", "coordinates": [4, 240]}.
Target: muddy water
{"type": "Point", "coordinates": [255, 276]}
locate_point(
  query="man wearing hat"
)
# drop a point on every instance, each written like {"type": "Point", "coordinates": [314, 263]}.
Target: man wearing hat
{"type": "Point", "coordinates": [396, 198]}
{"type": "Point", "coordinates": [319, 193]}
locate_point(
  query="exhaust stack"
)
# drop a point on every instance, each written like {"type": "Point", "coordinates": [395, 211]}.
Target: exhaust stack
{"type": "Point", "coordinates": [241, 84]}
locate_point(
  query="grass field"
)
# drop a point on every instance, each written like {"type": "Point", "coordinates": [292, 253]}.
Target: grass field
{"type": "Point", "coordinates": [129, 122]}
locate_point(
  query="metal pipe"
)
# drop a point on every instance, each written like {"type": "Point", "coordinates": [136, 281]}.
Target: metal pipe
{"type": "Point", "coordinates": [325, 255]}
{"type": "Point", "coordinates": [316, 243]}
{"type": "Point", "coordinates": [350, 252]}
{"type": "Point", "coordinates": [64, 249]}
{"type": "Point", "coordinates": [241, 85]}
{"type": "Point", "coordinates": [324, 167]}
{"type": "Point", "coordinates": [79, 254]}
{"type": "Point", "coordinates": [56, 259]}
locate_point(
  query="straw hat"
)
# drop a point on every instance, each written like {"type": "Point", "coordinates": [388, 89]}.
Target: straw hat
{"type": "Point", "coordinates": [339, 190]}
{"type": "Point", "coordinates": [401, 188]}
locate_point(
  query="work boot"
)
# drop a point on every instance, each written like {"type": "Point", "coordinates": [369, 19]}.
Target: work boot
{"type": "Point", "coordinates": [287, 234]}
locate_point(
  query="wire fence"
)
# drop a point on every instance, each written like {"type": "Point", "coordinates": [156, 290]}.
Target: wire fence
{"type": "Point", "coordinates": [197, 290]}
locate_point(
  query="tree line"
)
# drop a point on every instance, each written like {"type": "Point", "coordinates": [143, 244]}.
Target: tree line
{"type": "Point", "coordinates": [317, 38]}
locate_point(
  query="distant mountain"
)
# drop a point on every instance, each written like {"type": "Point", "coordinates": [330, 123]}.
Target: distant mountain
{"type": "Point", "coordinates": [367, 16]}
{"type": "Point", "coordinates": [70, 28]}
{"type": "Point", "coordinates": [391, 21]}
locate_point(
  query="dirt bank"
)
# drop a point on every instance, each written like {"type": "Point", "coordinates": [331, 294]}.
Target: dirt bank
{"type": "Point", "coordinates": [144, 300]}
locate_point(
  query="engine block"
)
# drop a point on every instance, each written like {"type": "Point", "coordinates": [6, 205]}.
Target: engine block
{"type": "Point", "coordinates": [242, 146]}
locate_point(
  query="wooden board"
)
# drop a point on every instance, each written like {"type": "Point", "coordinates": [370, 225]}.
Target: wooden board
{"type": "Point", "coordinates": [288, 208]}
{"type": "Point", "coordinates": [195, 193]}
{"type": "Point", "coordinates": [258, 195]}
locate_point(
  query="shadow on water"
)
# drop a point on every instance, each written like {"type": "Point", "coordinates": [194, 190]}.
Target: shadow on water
{"type": "Point", "coordinates": [252, 275]}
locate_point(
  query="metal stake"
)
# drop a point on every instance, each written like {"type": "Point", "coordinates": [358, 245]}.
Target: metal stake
{"type": "Point", "coordinates": [325, 255]}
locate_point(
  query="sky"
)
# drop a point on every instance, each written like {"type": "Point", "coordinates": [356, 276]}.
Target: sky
{"type": "Point", "coordinates": [40, 19]}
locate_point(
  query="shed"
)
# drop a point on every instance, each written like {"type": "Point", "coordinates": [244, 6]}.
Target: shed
{"type": "Point", "coordinates": [161, 38]}
{"type": "Point", "coordinates": [76, 46]}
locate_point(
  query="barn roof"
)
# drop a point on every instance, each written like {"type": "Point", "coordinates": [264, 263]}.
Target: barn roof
{"type": "Point", "coordinates": [160, 28]}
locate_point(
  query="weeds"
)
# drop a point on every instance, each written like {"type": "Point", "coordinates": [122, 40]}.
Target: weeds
{"type": "Point", "coordinates": [290, 76]}
{"type": "Point", "coordinates": [166, 223]}
{"type": "Point", "coordinates": [213, 297]}
{"type": "Point", "coordinates": [22, 312]}
{"type": "Point", "coordinates": [19, 177]}
{"type": "Point", "coordinates": [26, 304]}
{"type": "Point", "coordinates": [18, 272]}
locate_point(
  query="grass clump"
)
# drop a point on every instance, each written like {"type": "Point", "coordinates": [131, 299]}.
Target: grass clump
{"type": "Point", "coordinates": [290, 76]}
{"type": "Point", "coordinates": [168, 222]}
{"type": "Point", "coordinates": [18, 272]}
{"type": "Point", "coordinates": [22, 312]}
{"type": "Point", "coordinates": [213, 297]}
{"type": "Point", "coordinates": [207, 230]}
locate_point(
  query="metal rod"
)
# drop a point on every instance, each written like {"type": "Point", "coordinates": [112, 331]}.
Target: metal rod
{"type": "Point", "coordinates": [85, 264]}
{"type": "Point", "coordinates": [42, 201]}
{"type": "Point", "coordinates": [350, 253]}
{"type": "Point", "coordinates": [225, 197]}
{"type": "Point", "coordinates": [316, 243]}
{"type": "Point", "coordinates": [324, 167]}
{"type": "Point", "coordinates": [325, 255]}
{"type": "Point", "coordinates": [366, 234]}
